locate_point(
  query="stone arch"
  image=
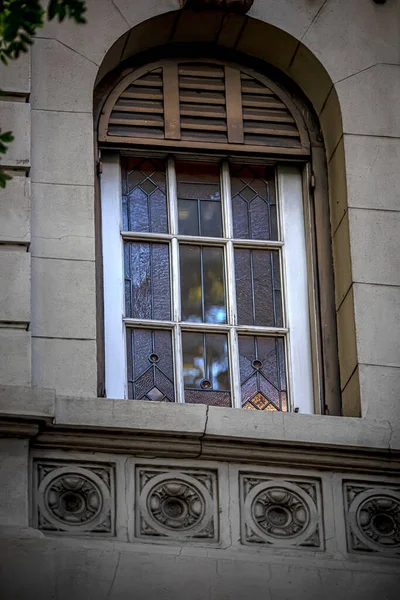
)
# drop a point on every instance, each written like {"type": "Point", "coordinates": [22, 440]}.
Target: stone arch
{"type": "Point", "coordinates": [267, 47]}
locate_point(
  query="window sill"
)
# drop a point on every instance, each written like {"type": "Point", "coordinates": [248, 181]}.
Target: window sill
{"type": "Point", "coordinates": [193, 429]}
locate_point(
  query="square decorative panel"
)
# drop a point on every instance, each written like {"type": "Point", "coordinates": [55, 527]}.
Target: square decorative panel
{"type": "Point", "coordinates": [280, 511]}
{"type": "Point", "coordinates": [73, 498]}
{"type": "Point", "coordinates": [372, 512]}
{"type": "Point", "coordinates": [178, 504]}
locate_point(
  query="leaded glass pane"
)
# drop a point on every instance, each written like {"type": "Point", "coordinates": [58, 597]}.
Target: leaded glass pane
{"type": "Point", "coordinates": [253, 203]}
{"type": "Point", "coordinates": [206, 368]}
{"type": "Point", "coordinates": [202, 284]}
{"type": "Point", "coordinates": [258, 287]}
{"type": "Point", "coordinates": [262, 373]}
{"type": "Point", "coordinates": [199, 199]}
{"type": "Point", "coordinates": [147, 281]}
{"type": "Point", "coordinates": [144, 200]}
{"type": "Point", "coordinates": [150, 365]}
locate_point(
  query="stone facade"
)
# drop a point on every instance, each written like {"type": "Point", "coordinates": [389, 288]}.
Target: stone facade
{"type": "Point", "coordinates": [104, 498]}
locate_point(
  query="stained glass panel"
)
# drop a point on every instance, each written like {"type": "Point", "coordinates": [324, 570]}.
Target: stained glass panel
{"type": "Point", "coordinates": [262, 373]}
{"type": "Point", "coordinates": [258, 287]}
{"type": "Point", "coordinates": [147, 281]}
{"type": "Point", "coordinates": [206, 368]}
{"type": "Point", "coordinates": [253, 203]}
{"type": "Point", "coordinates": [199, 199]}
{"type": "Point", "coordinates": [144, 200]}
{"type": "Point", "coordinates": [150, 365]}
{"type": "Point", "coordinates": [202, 284]}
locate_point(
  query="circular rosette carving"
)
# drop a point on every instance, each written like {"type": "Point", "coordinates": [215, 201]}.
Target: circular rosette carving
{"type": "Point", "coordinates": [73, 499]}
{"type": "Point", "coordinates": [280, 513]}
{"type": "Point", "coordinates": [375, 518]}
{"type": "Point", "coordinates": [176, 506]}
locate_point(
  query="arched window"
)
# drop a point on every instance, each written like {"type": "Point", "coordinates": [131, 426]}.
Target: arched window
{"type": "Point", "coordinates": [209, 290]}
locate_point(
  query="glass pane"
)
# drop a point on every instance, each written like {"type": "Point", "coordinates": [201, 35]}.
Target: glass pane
{"type": "Point", "coordinates": [150, 365]}
{"type": "Point", "coordinates": [206, 368]}
{"type": "Point", "coordinates": [202, 284]}
{"type": "Point", "coordinates": [253, 203]}
{"type": "Point", "coordinates": [262, 373]}
{"type": "Point", "coordinates": [144, 201]}
{"type": "Point", "coordinates": [258, 292]}
{"type": "Point", "coordinates": [147, 284]}
{"type": "Point", "coordinates": [199, 199]}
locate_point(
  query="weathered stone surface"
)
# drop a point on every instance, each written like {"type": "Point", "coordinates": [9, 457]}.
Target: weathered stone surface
{"type": "Point", "coordinates": [337, 186]}
{"type": "Point", "coordinates": [380, 393]}
{"type": "Point", "coordinates": [293, 16]}
{"type": "Point", "coordinates": [373, 176]}
{"type": "Point", "coordinates": [342, 260]}
{"type": "Point", "coordinates": [63, 221]}
{"type": "Point", "coordinates": [62, 149]}
{"type": "Point", "coordinates": [15, 210]}
{"type": "Point", "coordinates": [16, 77]}
{"type": "Point", "coordinates": [377, 318]}
{"type": "Point", "coordinates": [73, 91]}
{"type": "Point", "coordinates": [347, 341]}
{"type": "Point", "coordinates": [375, 246]}
{"type": "Point", "coordinates": [63, 298]}
{"type": "Point", "coordinates": [369, 101]}
{"type": "Point", "coordinates": [350, 36]}
{"type": "Point", "coordinates": [331, 122]}
{"type": "Point", "coordinates": [14, 482]}
{"type": "Point", "coordinates": [67, 366]}
{"type": "Point", "coordinates": [15, 357]}
{"type": "Point", "coordinates": [15, 277]}
{"type": "Point", "coordinates": [17, 117]}
{"type": "Point", "coordinates": [128, 414]}
{"type": "Point", "coordinates": [26, 401]}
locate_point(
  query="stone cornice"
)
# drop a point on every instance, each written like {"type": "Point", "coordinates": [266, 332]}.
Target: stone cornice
{"type": "Point", "coordinates": [196, 431]}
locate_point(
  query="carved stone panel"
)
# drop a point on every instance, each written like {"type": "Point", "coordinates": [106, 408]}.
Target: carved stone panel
{"type": "Point", "coordinates": [73, 498]}
{"type": "Point", "coordinates": [283, 512]}
{"type": "Point", "coordinates": [372, 518]}
{"type": "Point", "coordinates": [178, 504]}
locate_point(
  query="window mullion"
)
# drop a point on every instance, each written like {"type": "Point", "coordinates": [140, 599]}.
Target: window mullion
{"type": "Point", "coordinates": [230, 284]}
{"type": "Point", "coordinates": [175, 276]}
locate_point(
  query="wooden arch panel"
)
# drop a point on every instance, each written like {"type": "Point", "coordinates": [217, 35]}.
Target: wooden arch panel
{"type": "Point", "coordinates": [202, 104]}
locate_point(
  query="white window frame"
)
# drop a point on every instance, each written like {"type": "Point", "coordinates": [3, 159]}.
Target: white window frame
{"type": "Point", "coordinates": [295, 277]}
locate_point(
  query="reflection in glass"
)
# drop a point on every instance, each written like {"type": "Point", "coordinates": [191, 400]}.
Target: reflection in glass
{"type": "Point", "coordinates": [150, 365]}
{"type": "Point", "coordinates": [262, 373]}
{"type": "Point", "coordinates": [206, 368]}
{"type": "Point", "coordinates": [147, 284]}
{"type": "Point", "coordinates": [202, 284]}
{"type": "Point", "coordinates": [258, 287]}
{"type": "Point", "coordinates": [144, 200]}
{"type": "Point", "coordinates": [199, 199]}
{"type": "Point", "coordinates": [253, 203]}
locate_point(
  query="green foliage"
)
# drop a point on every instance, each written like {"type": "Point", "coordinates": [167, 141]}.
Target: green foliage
{"type": "Point", "coordinates": [19, 20]}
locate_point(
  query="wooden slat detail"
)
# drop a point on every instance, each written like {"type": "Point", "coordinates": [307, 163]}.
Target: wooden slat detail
{"type": "Point", "coordinates": [270, 131]}
{"type": "Point", "coordinates": [196, 83]}
{"type": "Point", "coordinates": [202, 97]}
{"type": "Point", "coordinates": [211, 112]}
{"type": "Point", "coordinates": [203, 125]}
{"type": "Point", "coordinates": [133, 106]}
{"type": "Point", "coordinates": [234, 106]}
{"type": "Point", "coordinates": [172, 117]}
{"type": "Point", "coordinates": [257, 101]}
{"type": "Point", "coordinates": [193, 70]}
{"type": "Point", "coordinates": [272, 116]}
{"type": "Point", "coordinates": [142, 94]}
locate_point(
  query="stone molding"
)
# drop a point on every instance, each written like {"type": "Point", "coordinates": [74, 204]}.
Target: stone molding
{"type": "Point", "coordinates": [177, 504]}
{"type": "Point", "coordinates": [73, 499]}
{"type": "Point", "coordinates": [281, 512]}
{"type": "Point", "coordinates": [261, 508]}
{"type": "Point", "coordinates": [372, 518]}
